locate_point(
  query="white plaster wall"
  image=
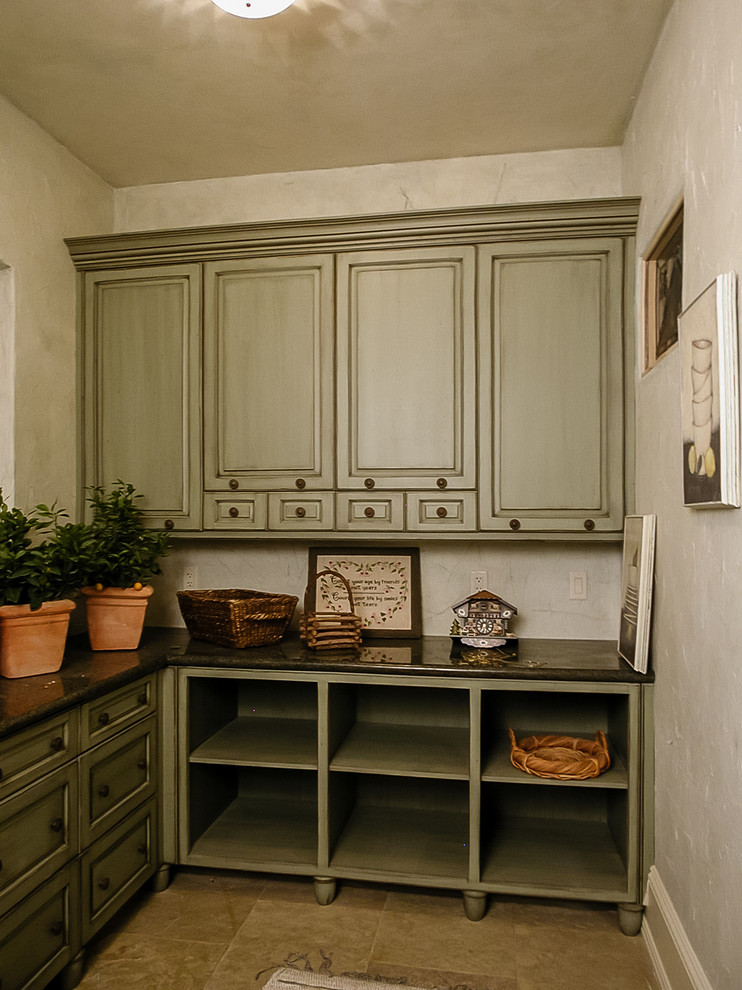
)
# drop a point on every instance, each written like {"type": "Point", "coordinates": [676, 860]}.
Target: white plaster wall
{"type": "Point", "coordinates": [7, 385]}
{"type": "Point", "coordinates": [686, 135]}
{"type": "Point", "coordinates": [535, 577]}
{"type": "Point", "coordinates": [45, 195]}
{"type": "Point", "coordinates": [534, 177]}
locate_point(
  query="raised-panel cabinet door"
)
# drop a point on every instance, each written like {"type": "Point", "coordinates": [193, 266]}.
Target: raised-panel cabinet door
{"type": "Point", "coordinates": [406, 379]}
{"type": "Point", "coordinates": [551, 386]}
{"type": "Point", "coordinates": [143, 378]}
{"type": "Point", "coordinates": [268, 374]}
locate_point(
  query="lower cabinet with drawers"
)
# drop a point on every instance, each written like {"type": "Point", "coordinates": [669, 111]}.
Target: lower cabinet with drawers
{"type": "Point", "coordinates": [79, 830]}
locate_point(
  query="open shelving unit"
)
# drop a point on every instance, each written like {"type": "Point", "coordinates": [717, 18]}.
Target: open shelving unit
{"type": "Point", "coordinates": [407, 779]}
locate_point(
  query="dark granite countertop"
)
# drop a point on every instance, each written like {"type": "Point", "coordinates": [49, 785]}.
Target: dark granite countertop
{"type": "Point", "coordinates": [85, 675]}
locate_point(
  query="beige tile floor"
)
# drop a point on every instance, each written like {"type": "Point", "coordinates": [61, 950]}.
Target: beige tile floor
{"type": "Point", "coordinates": [223, 931]}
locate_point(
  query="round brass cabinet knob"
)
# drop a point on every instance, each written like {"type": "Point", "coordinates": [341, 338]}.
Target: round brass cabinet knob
{"type": "Point", "coordinates": [104, 718]}
{"type": "Point", "coordinates": [142, 764]}
{"type": "Point", "coordinates": [56, 825]}
{"type": "Point", "coordinates": [104, 790]}
{"type": "Point", "coordinates": [234, 483]}
{"type": "Point", "coordinates": [142, 849]}
{"type": "Point", "coordinates": [301, 511]}
{"type": "Point", "coordinates": [369, 483]}
{"type": "Point", "coordinates": [300, 483]}
{"type": "Point", "coordinates": [57, 744]}
{"type": "Point", "coordinates": [234, 511]}
{"type": "Point", "coordinates": [442, 483]}
{"type": "Point", "coordinates": [514, 524]}
{"type": "Point", "coordinates": [369, 512]}
{"type": "Point", "coordinates": [441, 512]}
{"type": "Point", "coordinates": [104, 883]}
{"type": "Point", "coordinates": [589, 525]}
{"type": "Point", "coordinates": [169, 524]}
{"type": "Point", "coordinates": [56, 928]}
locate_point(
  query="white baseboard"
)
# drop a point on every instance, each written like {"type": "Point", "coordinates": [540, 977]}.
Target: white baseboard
{"type": "Point", "coordinates": [675, 962]}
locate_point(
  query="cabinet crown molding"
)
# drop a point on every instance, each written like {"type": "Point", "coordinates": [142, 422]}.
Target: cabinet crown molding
{"type": "Point", "coordinates": [593, 217]}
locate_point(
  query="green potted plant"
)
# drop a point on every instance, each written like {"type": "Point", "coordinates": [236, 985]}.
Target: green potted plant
{"type": "Point", "coordinates": [42, 561]}
{"type": "Point", "coordinates": [124, 556]}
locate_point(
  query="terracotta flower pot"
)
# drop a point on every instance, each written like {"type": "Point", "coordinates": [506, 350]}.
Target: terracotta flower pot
{"type": "Point", "coordinates": [33, 642]}
{"type": "Point", "coordinates": [116, 616]}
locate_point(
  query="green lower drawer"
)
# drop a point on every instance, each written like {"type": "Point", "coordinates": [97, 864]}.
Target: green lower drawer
{"type": "Point", "coordinates": [39, 936]}
{"type": "Point", "coordinates": [116, 866]}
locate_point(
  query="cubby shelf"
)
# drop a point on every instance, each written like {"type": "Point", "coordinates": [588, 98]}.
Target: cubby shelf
{"type": "Point", "coordinates": [279, 742]}
{"type": "Point", "coordinates": [562, 857]}
{"type": "Point", "coordinates": [406, 750]}
{"type": "Point", "coordinates": [393, 777]}
{"type": "Point", "coordinates": [497, 767]}
{"type": "Point", "coordinates": [405, 843]}
{"type": "Point", "coordinates": [260, 835]}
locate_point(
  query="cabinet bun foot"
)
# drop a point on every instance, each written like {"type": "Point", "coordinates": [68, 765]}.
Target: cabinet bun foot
{"type": "Point", "coordinates": [324, 890]}
{"type": "Point", "coordinates": [475, 904]}
{"type": "Point", "coordinates": [630, 918]}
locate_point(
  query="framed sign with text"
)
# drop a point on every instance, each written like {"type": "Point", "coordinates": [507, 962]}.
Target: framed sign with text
{"type": "Point", "coordinates": [385, 583]}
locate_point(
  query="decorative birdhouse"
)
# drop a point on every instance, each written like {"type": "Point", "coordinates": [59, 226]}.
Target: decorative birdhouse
{"type": "Point", "coordinates": [481, 621]}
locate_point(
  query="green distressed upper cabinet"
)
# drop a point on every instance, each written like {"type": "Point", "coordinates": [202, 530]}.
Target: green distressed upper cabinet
{"type": "Point", "coordinates": [141, 406]}
{"type": "Point", "coordinates": [268, 374]}
{"type": "Point", "coordinates": [406, 368]}
{"type": "Point", "coordinates": [551, 385]}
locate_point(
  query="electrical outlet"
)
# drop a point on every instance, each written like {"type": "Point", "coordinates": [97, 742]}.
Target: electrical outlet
{"type": "Point", "coordinates": [190, 577]}
{"type": "Point", "coordinates": [478, 581]}
{"type": "Point", "coordinates": [578, 586]}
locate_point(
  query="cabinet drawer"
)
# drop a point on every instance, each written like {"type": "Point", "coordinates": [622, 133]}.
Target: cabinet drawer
{"type": "Point", "coordinates": [28, 755]}
{"type": "Point", "coordinates": [371, 512]}
{"type": "Point", "coordinates": [41, 935]}
{"type": "Point", "coordinates": [114, 868]}
{"type": "Point", "coordinates": [441, 512]}
{"type": "Point", "coordinates": [38, 833]}
{"type": "Point", "coordinates": [315, 511]}
{"type": "Point", "coordinates": [244, 512]}
{"type": "Point", "coordinates": [116, 777]}
{"type": "Point", "coordinates": [110, 714]}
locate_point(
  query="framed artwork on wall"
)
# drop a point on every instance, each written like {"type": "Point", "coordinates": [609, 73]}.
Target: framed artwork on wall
{"type": "Point", "coordinates": [385, 582]}
{"type": "Point", "coordinates": [637, 575]}
{"type": "Point", "coordinates": [662, 290]}
{"type": "Point", "coordinates": [710, 396]}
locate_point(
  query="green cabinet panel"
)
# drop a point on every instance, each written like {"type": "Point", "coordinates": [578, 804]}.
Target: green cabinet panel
{"type": "Point", "coordinates": [405, 390]}
{"type": "Point", "coordinates": [38, 833]}
{"type": "Point", "coordinates": [107, 716]}
{"type": "Point", "coordinates": [42, 934]}
{"type": "Point", "coordinates": [551, 385]}
{"type": "Point", "coordinates": [268, 363]}
{"type": "Point", "coordinates": [141, 412]}
{"type": "Point", "coordinates": [116, 865]}
{"type": "Point", "coordinates": [117, 776]}
{"type": "Point", "coordinates": [29, 755]}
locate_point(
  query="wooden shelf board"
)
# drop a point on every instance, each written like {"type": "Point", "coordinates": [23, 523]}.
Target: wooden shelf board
{"type": "Point", "coordinates": [540, 853]}
{"type": "Point", "coordinates": [497, 767]}
{"type": "Point", "coordinates": [405, 750]}
{"type": "Point", "coordinates": [263, 833]}
{"type": "Point", "coordinates": [278, 742]}
{"type": "Point", "coordinates": [398, 842]}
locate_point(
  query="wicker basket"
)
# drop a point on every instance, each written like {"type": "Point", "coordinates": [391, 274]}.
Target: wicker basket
{"type": "Point", "coordinates": [237, 618]}
{"type": "Point", "coordinates": [560, 757]}
{"type": "Point", "coordinates": [330, 630]}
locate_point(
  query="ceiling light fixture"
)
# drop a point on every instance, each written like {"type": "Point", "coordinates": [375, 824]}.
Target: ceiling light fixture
{"type": "Point", "coordinates": [253, 8]}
